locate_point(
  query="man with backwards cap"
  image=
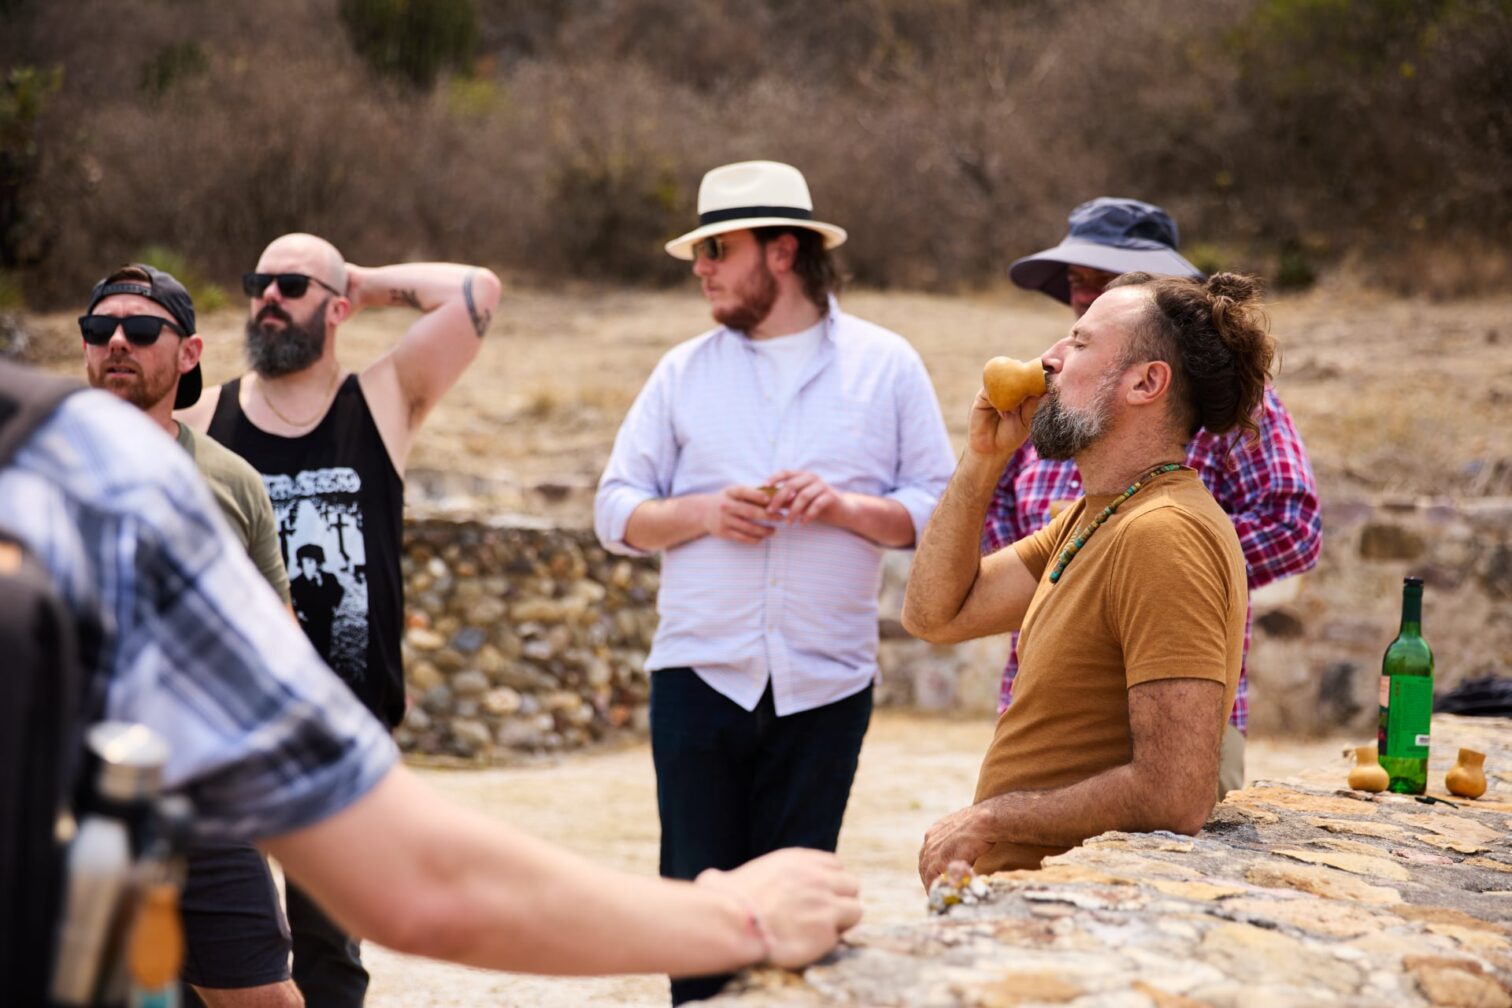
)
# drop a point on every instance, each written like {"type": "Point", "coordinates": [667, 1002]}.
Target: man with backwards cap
{"type": "Point", "coordinates": [770, 461]}
{"type": "Point", "coordinates": [1265, 485]}
{"type": "Point", "coordinates": [140, 345]}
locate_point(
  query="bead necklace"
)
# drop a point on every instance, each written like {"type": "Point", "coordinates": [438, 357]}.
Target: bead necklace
{"type": "Point", "coordinates": [1077, 543]}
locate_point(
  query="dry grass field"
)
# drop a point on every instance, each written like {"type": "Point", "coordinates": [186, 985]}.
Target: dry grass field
{"type": "Point", "coordinates": [1391, 395]}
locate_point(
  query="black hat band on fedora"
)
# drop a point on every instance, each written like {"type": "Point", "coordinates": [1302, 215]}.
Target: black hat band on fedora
{"type": "Point", "coordinates": [740, 213]}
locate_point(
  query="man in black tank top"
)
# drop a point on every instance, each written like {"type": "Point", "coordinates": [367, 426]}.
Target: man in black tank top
{"type": "Point", "coordinates": [331, 447]}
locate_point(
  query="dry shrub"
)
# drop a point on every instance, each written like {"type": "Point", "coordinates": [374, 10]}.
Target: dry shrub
{"type": "Point", "coordinates": [949, 136]}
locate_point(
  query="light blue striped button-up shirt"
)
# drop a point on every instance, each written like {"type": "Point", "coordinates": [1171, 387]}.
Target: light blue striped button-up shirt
{"type": "Point", "coordinates": [800, 607]}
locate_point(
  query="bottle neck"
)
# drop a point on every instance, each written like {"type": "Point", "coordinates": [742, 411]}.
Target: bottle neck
{"type": "Point", "coordinates": [1412, 611]}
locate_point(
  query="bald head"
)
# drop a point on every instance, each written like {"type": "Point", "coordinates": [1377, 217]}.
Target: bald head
{"type": "Point", "coordinates": [305, 253]}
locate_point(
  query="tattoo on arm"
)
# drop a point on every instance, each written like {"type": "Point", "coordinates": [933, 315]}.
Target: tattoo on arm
{"type": "Point", "coordinates": [405, 297]}
{"type": "Point", "coordinates": [480, 320]}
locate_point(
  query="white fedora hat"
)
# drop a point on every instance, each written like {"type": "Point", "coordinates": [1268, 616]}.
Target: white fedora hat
{"type": "Point", "coordinates": [753, 194]}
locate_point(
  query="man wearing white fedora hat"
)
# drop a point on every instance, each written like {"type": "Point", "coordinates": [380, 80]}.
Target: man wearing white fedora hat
{"type": "Point", "coordinates": [1265, 484]}
{"type": "Point", "coordinates": [770, 461]}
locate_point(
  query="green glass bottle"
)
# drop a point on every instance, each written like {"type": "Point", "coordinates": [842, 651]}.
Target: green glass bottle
{"type": "Point", "coordinates": [1407, 697]}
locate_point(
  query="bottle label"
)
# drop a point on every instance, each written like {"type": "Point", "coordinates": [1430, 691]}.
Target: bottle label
{"type": "Point", "coordinates": [1409, 708]}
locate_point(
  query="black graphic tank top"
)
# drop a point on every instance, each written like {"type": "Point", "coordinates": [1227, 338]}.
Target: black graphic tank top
{"type": "Point", "coordinates": [340, 510]}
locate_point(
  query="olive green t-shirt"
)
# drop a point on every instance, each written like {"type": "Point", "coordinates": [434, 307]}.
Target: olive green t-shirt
{"type": "Point", "coordinates": [1157, 592]}
{"type": "Point", "coordinates": [243, 499]}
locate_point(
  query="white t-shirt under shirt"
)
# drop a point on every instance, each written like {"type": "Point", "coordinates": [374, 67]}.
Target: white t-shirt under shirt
{"type": "Point", "coordinates": [787, 356]}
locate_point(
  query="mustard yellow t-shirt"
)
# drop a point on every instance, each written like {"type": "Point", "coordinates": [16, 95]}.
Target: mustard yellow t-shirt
{"type": "Point", "coordinates": [1157, 592]}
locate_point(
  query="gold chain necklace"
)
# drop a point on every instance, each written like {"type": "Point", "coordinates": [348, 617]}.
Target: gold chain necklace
{"type": "Point", "coordinates": [324, 403]}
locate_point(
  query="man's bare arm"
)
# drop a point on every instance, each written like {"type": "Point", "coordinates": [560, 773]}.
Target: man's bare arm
{"type": "Point", "coordinates": [953, 593]}
{"type": "Point", "coordinates": [1170, 784]}
{"type": "Point", "coordinates": [466, 888]}
{"type": "Point", "coordinates": [457, 304]}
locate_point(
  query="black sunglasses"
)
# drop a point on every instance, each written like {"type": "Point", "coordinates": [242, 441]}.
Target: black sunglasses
{"type": "Point", "coordinates": [711, 248]}
{"type": "Point", "coordinates": [140, 330]}
{"type": "Point", "coordinates": [290, 285]}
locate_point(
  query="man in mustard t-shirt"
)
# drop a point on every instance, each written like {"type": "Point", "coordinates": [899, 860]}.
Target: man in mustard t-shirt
{"type": "Point", "coordinates": [1130, 604]}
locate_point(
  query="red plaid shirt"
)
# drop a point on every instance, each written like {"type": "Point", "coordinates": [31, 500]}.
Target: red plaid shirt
{"type": "Point", "coordinates": [1266, 487]}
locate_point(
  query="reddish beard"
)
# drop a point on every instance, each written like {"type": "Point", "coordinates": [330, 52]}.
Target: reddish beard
{"type": "Point", "coordinates": [757, 295]}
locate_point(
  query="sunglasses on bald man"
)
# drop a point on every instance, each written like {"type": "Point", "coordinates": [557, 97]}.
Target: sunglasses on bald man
{"type": "Point", "coordinates": [140, 330]}
{"type": "Point", "coordinates": [290, 285]}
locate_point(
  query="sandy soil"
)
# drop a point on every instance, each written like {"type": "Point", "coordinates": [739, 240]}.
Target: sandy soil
{"type": "Point", "coordinates": [913, 770]}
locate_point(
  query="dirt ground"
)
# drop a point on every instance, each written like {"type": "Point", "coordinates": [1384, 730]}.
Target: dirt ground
{"type": "Point", "coordinates": [913, 770]}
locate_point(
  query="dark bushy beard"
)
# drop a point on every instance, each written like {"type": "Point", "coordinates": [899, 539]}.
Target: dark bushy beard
{"type": "Point", "coordinates": [756, 300]}
{"type": "Point", "coordinates": [1060, 433]}
{"type": "Point", "coordinates": [274, 353]}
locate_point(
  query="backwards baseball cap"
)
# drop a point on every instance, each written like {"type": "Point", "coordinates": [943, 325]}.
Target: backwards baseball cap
{"type": "Point", "coordinates": [1109, 233]}
{"type": "Point", "coordinates": [168, 292]}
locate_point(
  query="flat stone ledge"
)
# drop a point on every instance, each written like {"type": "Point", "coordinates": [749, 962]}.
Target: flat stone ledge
{"type": "Point", "coordinates": [1295, 893]}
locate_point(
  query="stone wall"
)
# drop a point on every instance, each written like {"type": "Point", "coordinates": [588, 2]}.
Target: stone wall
{"type": "Point", "coordinates": [531, 639]}
{"type": "Point", "coordinates": [1318, 639]}
{"type": "Point", "coordinates": [520, 639]}
{"type": "Point", "coordinates": [1294, 894]}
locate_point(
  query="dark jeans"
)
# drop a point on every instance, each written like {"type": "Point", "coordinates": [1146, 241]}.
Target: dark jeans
{"type": "Point", "coordinates": [328, 966]}
{"type": "Point", "coordinates": [733, 784]}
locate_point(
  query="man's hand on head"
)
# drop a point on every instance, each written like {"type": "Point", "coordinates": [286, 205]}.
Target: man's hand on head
{"type": "Point", "coordinates": [738, 514]}
{"type": "Point", "coordinates": [960, 836]}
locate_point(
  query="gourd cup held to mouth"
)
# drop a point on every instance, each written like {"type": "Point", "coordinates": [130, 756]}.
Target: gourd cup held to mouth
{"type": "Point", "coordinates": [1009, 382]}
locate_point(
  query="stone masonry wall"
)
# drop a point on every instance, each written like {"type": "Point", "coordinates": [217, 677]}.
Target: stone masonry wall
{"type": "Point", "coordinates": [1293, 895]}
{"type": "Point", "coordinates": [525, 639]}
{"type": "Point", "coordinates": [521, 640]}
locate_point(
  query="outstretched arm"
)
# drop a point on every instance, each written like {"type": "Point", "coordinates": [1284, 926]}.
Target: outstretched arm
{"type": "Point", "coordinates": [1171, 784]}
{"type": "Point", "coordinates": [456, 304]}
{"type": "Point", "coordinates": [469, 889]}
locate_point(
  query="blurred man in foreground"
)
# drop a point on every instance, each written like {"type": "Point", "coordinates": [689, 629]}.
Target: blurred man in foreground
{"type": "Point", "coordinates": [1265, 484]}
{"type": "Point", "coordinates": [1131, 602]}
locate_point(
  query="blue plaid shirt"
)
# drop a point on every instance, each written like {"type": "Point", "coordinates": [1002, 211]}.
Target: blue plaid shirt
{"type": "Point", "coordinates": [179, 631]}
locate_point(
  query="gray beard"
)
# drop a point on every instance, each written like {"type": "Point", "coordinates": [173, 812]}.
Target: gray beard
{"type": "Point", "coordinates": [274, 353]}
{"type": "Point", "coordinates": [1060, 434]}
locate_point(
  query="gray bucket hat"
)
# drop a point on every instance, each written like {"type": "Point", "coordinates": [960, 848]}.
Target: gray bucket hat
{"type": "Point", "coordinates": [1109, 233]}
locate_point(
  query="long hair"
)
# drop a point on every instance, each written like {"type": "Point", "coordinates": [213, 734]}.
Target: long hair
{"type": "Point", "coordinates": [813, 264]}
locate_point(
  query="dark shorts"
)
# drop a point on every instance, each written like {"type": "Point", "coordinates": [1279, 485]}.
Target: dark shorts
{"type": "Point", "coordinates": [235, 934]}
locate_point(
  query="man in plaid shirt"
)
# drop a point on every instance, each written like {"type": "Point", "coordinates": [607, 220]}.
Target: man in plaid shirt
{"type": "Point", "coordinates": [1266, 486]}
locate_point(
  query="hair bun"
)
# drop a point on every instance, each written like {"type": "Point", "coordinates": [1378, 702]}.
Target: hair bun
{"type": "Point", "coordinates": [1234, 286]}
